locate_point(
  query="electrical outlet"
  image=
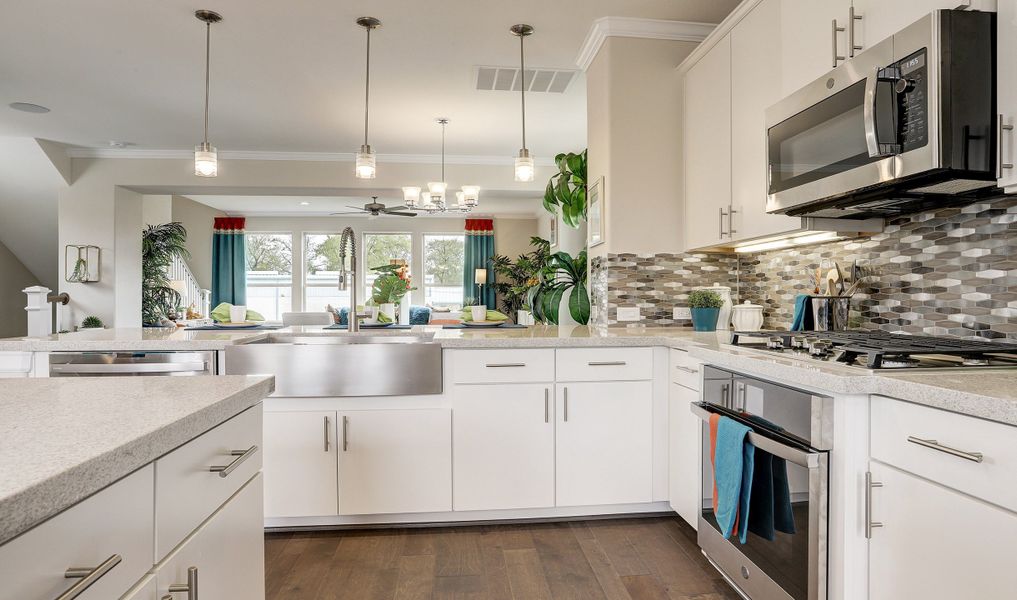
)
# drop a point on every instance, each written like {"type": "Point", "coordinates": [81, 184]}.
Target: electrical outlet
{"type": "Point", "coordinates": [628, 313]}
{"type": "Point", "coordinates": [682, 313]}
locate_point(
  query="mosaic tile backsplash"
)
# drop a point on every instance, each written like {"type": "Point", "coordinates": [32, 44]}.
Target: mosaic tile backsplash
{"type": "Point", "coordinates": [947, 272]}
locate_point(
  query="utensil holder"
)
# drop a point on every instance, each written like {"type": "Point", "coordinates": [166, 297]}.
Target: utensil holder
{"type": "Point", "coordinates": [830, 313]}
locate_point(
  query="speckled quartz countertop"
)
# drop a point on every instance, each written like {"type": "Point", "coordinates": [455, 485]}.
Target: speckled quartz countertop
{"type": "Point", "coordinates": [62, 440]}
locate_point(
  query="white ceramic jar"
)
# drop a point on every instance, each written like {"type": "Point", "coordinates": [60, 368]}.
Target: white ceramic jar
{"type": "Point", "coordinates": [747, 317]}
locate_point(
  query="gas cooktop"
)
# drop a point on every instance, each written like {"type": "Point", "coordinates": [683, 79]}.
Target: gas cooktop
{"type": "Point", "coordinates": [882, 350]}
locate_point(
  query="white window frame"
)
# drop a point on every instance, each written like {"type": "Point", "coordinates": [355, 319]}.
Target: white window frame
{"type": "Point", "coordinates": [423, 259]}
{"type": "Point", "coordinates": [363, 257]}
{"type": "Point", "coordinates": [247, 282]}
{"type": "Point", "coordinates": [304, 285]}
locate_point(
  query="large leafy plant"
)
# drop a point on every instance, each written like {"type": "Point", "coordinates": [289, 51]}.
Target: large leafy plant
{"type": "Point", "coordinates": [391, 284]}
{"type": "Point", "coordinates": [562, 274]}
{"type": "Point", "coordinates": [160, 244]}
{"type": "Point", "coordinates": [516, 278]}
{"type": "Point", "coordinates": [566, 190]}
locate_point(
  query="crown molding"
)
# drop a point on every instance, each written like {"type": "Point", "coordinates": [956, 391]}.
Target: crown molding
{"type": "Point", "coordinates": [653, 29]}
{"type": "Point", "coordinates": [740, 12]}
{"type": "Point", "coordinates": [422, 159]}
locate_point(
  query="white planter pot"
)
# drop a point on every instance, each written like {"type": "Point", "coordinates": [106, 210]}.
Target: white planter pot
{"type": "Point", "coordinates": [479, 313]}
{"type": "Point", "coordinates": [389, 311]}
{"type": "Point", "coordinates": [524, 317]}
{"type": "Point", "coordinates": [564, 316]}
{"type": "Point", "coordinates": [404, 312]}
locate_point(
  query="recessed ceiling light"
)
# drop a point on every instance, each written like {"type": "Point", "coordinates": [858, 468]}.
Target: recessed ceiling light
{"type": "Point", "coordinates": [119, 144]}
{"type": "Point", "coordinates": [305, 204]}
{"type": "Point", "coordinates": [28, 107]}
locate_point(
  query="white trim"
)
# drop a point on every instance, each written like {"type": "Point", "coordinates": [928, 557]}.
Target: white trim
{"type": "Point", "coordinates": [654, 29]}
{"type": "Point", "coordinates": [424, 159]}
{"type": "Point", "coordinates": [740, 12]}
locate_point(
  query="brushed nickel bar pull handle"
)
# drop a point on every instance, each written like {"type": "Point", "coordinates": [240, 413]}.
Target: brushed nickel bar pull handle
{"type": "Point", "coordinates": [565, 391]}
{"type": "Point", "coordinates": [346, 433]}
{"type": "Point", "coordinates": [852, 17]}
{"type": "Point", "coordinates": [1000, 165]}
{"type": "Point", "coordinates": [933, 444]}
{"type": "Point", "coordinates": [547, 406]}
{"type": "Point", "coordinates": [730, 222]}
{"type": "Point", "coordinates": [191, 587]}
{"type": "Point", "coordinates": [607, 363]}
{"type": "Point", "coordinates": [722, 234]}
{"type": "Point", "coordinates": [503, 365]}
{"type": "Point", "coordinates": [241, 456]}
{"type": "Point", "coordinates": [686, 369]}
{"type": "Point", "coordinates": [869, 523]}
{"type": "Point", "coordinates": [87, 577]}
{"type": "Point", "coordinates": [326, 434]}
{"type": "Point", "coordinates": [833, 33]}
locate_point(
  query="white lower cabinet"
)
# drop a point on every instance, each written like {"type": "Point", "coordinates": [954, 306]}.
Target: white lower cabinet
{"type": "Point", "coordinates": [225, 556]}
{"type": "Point", "coordinates": [395, 461]}
{"type": "Point", "coordinates": [604, 452]}
{"type": "Point", "coordinates": [684, 448]}
{"type": "Point", "coordinates": [503, 446]}
{"type": "Point", "coordinates": [300, 464]}
{"type": "Point", "coordinates": [936, 543]}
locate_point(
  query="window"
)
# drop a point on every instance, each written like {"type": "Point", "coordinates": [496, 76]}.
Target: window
{"type": "Point", "coordinates": [381, 249]}
{"type": "Point", "coordinates": [321, 272]}
{"type": "Point", "coordinates": [269, 273]}
{"type": "Point", "coordinates": [443, 269]}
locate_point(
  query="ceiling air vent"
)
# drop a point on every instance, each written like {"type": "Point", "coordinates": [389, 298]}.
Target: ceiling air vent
{"type": "Point", "coordinates": [507, 79]}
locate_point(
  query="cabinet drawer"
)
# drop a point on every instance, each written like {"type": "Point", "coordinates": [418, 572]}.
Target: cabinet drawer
{"type": "Point", "coordinates": [604, 364]}
{"type": "Point", "coordinates": [902, 434]}
{"type": "Point", "coordinates": [116, 521]}
{"type": "Point", "coordinates": [502, 366]}
{"type": "Point", "coordinates": [684, 370]}
{"type": "Point", "coordinates": [187, 491]}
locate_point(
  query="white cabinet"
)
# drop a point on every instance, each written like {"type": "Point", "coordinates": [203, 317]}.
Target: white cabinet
{"type": "Point", "coordinates": [809, 41]}
{"type": "Point", "coordinates": [707, 148]}
{"type": "Point", "coordinates": [227, 553]}
{"type": "Point", "coordinates": [503, 446]}
{"type": "Point", "coordinates": [1006, 85]}
{"type": "Point", "coordinates": [604, 443]}
{"type": "Point", "coordinates": [684, 447]}
{"type": "Point", "coordinates": [301, 479]}
{"type": "Point", "coordinates": [937, 544]}
{"type": "Point", "coordinates": [755, 85]}
{"type": "Point", "coordinates": [880, 19]}
{"type": "Point", "coordinates": [395, 461]}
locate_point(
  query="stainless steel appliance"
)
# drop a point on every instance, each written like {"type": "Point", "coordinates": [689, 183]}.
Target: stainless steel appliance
{"type": "Point", "coordinates": [796, 429]}
{"type": "Point", "coordinates": [121, 364]}
{"type": "Point", "coordinates": [908, 124]}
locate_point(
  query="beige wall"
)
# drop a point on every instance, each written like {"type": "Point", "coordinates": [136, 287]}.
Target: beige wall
{"type": "Point", "coordinates": [198, 219]}
{"type": "Point", "coordinates": [512, 236]}
{"type": "Point", "coordinates": [634, 111]}
{"type": "Point", "coordinates": [15, 277]}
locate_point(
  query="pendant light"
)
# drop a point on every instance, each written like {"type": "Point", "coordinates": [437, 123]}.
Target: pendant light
{"type": "Point", "coordinates": [365, 158]}
{"type": "Point", "coordinates": [524, 162]}
{"type": "Point", "coordinates": [206, 162]}
{"type": "Point", "coordinates": [433, 199]}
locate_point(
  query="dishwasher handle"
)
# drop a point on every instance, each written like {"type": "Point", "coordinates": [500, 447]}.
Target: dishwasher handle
{"type": "Point", "coordinates": [127, 368]}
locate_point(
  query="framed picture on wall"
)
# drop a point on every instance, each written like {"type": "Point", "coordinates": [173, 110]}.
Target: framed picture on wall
{"type": "Point", "coordinates": [553, 236]}
{"type": "Point", "coordinates": [595, 214]}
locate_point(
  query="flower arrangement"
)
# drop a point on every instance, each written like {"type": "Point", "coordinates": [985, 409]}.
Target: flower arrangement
{"type": "Point", "coordinates": [391, 285]}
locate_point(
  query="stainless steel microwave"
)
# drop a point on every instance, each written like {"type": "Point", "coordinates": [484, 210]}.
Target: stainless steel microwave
{"type": "Point", "coordinates": [907, 125]}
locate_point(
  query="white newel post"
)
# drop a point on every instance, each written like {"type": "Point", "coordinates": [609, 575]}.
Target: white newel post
{"type": "Point", "coordinates": [40, 315]}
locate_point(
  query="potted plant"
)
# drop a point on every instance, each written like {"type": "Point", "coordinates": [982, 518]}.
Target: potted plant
{"type": "Point", "coordinates": [91, 322]}
{"type": "Point", "coordinates": [516, 278]}
{"type": "Point", "coordinates": [705, 306]}
{"type": "Point", "coordinates": [160, 244]}
{"type": "Point", "coordinates": [389, 288]}
{"type": "Point", "coordinates": [566, 190]}
{"type": "Point", "coordinates": [562, 274]}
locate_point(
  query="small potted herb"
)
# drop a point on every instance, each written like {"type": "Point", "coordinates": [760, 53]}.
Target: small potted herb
{"type": "Point", "coordinates": [705, 307]}
{"type": "Point", "coordinates": [91, 322]}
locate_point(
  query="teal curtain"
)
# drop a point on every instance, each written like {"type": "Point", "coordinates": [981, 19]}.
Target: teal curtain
{"type": "Point", "coordinates": [229, 273]}
{"type": "Point", "coordinates": [477, 255]}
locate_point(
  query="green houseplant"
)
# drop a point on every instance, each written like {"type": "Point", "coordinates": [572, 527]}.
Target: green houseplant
{"type": "Point", "coordinates": [705, 307]}
{"type": "Point", "coordinates": [566, 190]}
{"type": "Point", "coordinates": [91, 322]}
{"type": "Point", "coordinates": [561, 274]}
{"type": "Point", "coordinates": [160, 244]}
{"type": "Point", "coordinates": [516, 278]}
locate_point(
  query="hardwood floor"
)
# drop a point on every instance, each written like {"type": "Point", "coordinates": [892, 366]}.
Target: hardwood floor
{"type": "Point", "coordinates": [622, 559]}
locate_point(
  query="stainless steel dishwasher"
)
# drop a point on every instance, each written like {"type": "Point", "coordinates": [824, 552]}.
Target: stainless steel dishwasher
{"type": "Point", "coordinates": [126, 364]}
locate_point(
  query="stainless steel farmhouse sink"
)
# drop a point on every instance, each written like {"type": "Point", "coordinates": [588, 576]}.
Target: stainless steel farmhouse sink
{"type": "Point", "coordinates": [342, 364]}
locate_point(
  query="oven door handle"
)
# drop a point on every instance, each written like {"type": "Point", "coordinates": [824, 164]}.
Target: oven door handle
{"type": "Point", "coordinates": [809, 460]}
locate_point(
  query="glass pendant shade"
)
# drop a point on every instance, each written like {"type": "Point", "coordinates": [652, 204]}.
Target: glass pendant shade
{"type": "Point", "coordinates": [460, 200]}
{"type": "Point", "coordinates": [437, 191]}
{"type": "Point", "coordinates": [206, 162]}
{"type": "Point", "coordinates": [365, 163]}
{"type": "Point", "coordinates": [471, 195]}
{"type": "Point", "coordinates": [411, 196]}
{"type": "Point", "coordinates": [524, 166]}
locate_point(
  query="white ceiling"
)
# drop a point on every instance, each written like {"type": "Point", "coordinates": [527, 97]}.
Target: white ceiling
{"type": "Point", "coordinates": [521, 205]}
{"type": "Point", "coordinates": [288, 76]}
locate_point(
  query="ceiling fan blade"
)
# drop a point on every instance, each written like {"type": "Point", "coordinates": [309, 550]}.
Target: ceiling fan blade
{"type": "Point", "coordinates": [360, 208]}
{"type": "Point", "coordinates": [359, 212]}
{"type": "Point", "coordinates": [400, 207]}
{"type": "Point", "coordinates": [399, 213]}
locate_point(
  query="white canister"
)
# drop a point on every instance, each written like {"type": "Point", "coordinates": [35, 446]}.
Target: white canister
{"type": "Point", "coordinates": [479, 313]}
{"type": "Point", "coordinates": [724, 318]}
{"type": "Point", "coordinates": [747, 317]}
{"type": "Point", "coordinates": [238, 313]}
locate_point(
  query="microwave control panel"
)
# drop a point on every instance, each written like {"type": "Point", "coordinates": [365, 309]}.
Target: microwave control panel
{"type": "Point", "coordinates": [912, 91]}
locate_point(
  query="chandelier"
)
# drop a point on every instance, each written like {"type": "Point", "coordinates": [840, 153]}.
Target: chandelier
{"type": "Point", "coordinates": [433, 199]}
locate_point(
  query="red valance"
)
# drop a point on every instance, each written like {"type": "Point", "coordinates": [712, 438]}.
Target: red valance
{"type": "Point", "coordinates": [479, 226]}
{"type": "Point", "coordinates": [229, 224]}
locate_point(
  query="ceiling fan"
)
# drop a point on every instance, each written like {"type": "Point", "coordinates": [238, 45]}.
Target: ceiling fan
{"type": "Point", "coordinates": [375, 209]}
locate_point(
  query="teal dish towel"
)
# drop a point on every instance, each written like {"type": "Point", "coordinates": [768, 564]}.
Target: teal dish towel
{"type": "Point", "coordinates": [802, 319]}
{"type": "Point", "coordinates": [732, 469]}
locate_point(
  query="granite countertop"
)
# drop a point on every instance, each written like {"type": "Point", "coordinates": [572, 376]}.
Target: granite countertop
{"type": "Point", "coordinates": [62, 440]}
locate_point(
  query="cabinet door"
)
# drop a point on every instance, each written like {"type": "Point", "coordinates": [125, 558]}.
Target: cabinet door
{"type": "Point", "coordinates": [807, 46]}
{"type": "Point", "coordinates": [937, 544]}
{"type": "Point", "coordinates": [227, 551]}
{"type": "Point", "coordinates": [503, 446]}
{"type": "Point", "coordinates": [1006, 85]}
{"type": "Point", "coordinates": [395, 461]}
{"type": "Point", "coordinates": [707, 147]}
{"type": "Point", "coordinates": [604, 443]}
{"type": "Point", "coordinates": [755, 85]}
{"type": "Point", "coordinates": [684, 443]}
{"type": "Point", "coordinates": [881, 19]}
{"type": "Point", "coordinates": [300, 464]}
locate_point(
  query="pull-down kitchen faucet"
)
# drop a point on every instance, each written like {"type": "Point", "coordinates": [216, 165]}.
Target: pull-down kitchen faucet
{"type": "Point", "coordinates": [345, 276]}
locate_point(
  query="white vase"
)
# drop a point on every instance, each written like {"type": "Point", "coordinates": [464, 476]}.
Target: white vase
{"type": "Point", "coordinates": [479, 313]}
{"type": "Point", "coordinates": [388, 309]}
{"type": "Point", "coordinates": [564, 315]}
{"type": "Point", "coordinates": [524, 317]}
{"type": "Point", "coordinates": [404, 311]}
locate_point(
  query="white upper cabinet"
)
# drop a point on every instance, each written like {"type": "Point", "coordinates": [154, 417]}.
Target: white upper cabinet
{"type": "Point", "coordinates": [1006, 76]}
{"type": "Point", "coordinates": [708, 148]}
{"type": "Point", "coordinates": [881, 19]}
{"type": "Point", "coordinates": [811, 43]}
{"type": "Point", "coordinates": [755, 85]}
